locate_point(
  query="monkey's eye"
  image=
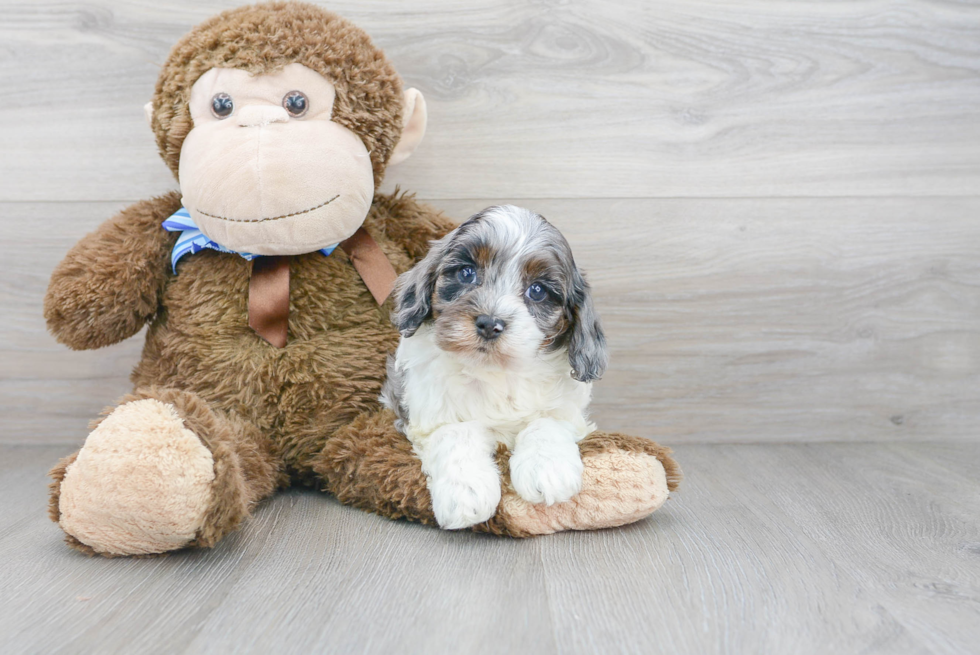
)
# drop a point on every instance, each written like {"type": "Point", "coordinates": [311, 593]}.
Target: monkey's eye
{"type": "Point", "coordinates": [466, 275]}
{"type": "Point", "coordinates": [295, 103]}
{"type": "Point", "coordinates": [222, 105]}
{"type": "Point", "coordinates": [536, 292]}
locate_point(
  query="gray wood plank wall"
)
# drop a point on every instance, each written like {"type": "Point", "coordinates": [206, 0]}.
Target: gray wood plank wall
{"type": "Point", "coordinates": [776, 201]}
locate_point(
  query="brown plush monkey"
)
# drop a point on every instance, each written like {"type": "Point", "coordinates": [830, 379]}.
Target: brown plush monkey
{"type": "Point", "coordinates": [278, 121]}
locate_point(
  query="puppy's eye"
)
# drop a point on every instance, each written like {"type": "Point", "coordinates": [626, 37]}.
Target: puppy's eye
{"type": "Point", "coordinates": [222, 105]}
{"type": "Point", "coordinates": [295, 103]}
{"type": "Point", "coordinates": [466, 275]}
{"type": "Point", "coordinates": [536, 292]}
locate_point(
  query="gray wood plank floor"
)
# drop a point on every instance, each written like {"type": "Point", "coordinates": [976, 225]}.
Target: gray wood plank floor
{"type": "Point", "coordinates": [793, 548]}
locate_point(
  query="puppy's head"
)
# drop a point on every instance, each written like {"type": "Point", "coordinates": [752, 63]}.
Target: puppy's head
{"type": "Point", "coordinates": [500, 288]}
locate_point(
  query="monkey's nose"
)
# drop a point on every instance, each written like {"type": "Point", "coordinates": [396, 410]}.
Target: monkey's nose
{"type": "Point", "coordinates": [489, 327]}
{"type": "Point", "coordinates": [259, 115]}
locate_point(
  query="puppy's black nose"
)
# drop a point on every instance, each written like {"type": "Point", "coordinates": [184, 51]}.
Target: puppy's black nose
{"type": "Point", "coordinates": [489, 327]}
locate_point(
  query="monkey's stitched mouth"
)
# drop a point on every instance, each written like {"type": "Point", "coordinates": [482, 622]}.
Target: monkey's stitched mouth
{"type": "Point", "coordinates": [272, 218]}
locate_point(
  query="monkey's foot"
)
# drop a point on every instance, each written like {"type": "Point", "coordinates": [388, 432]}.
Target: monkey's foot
{"type": "Point", "coordinates": [141, 484]}
{"type": "Point", "coordinates": [624, 479]}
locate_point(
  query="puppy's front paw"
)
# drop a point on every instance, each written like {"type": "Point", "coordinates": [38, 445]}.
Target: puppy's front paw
{"type": "Point", "coordinates": [546, 472]}
{"type": "Point", "coordinates": [459, 502]}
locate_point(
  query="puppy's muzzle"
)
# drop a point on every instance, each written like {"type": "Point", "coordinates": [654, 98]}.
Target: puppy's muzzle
{"type": "Point", "coordinates": [489, 327]}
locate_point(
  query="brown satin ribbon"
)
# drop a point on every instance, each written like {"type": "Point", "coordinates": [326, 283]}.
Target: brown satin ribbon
{"type": "Point", "coordinates": [268, 298]}
{"type": "Point", "coordinates": [268, 287]}
{"type": "Point", "coordinates": [371, 264]}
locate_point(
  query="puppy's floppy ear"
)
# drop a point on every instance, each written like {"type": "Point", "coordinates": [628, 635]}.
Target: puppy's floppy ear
{"type": "Point", "coordinates": [413, 289]}
{"type": "Point", "coordinates": [586, 343]}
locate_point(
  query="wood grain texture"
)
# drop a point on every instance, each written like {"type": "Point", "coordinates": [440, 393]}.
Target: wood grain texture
{"type": "Point", "coordinates": [776, 203]}
{"type": "Point", "coordinates": [692, 98]}
{"type": "Point", "coordinates": [871, 546]}
{"type": "Point", "coordinates": [728, 320]}
{"type": "Point", "coordinates": [843, 548]}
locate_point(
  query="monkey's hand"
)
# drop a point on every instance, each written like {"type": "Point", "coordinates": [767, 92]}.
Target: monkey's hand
{"type": "Point", "coordinates": [109, 285]}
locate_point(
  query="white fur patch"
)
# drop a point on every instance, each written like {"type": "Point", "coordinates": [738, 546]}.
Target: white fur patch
{"type": "Point", "coordinates": [546, 466]}
{"type": "Point", "coordinates": [442, 388]}
{"type": "Point", "coordinates": [463, 478]}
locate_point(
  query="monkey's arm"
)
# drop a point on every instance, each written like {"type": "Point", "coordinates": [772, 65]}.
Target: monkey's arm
{"type": "Point", "coordinates": [109, 285]}
{"type": "Point", "coordinates": [409, 223]}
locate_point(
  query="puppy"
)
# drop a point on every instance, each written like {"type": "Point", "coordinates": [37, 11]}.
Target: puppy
{"type": "Point", "coordinates": [500, 343]}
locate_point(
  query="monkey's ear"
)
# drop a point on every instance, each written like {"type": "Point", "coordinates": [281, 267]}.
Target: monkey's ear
{"type": "Point", "coordinates": [148, 112]}
{"type": "Point", "coordinates": [413, 127]}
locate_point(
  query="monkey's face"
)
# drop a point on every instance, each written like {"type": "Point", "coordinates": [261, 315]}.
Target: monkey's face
{"type": "Point", "coordinates": [265, 170]}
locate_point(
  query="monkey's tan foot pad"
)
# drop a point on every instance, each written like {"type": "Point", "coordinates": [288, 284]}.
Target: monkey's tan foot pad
{"type": "Point", "coordinates": [140, 485]}
{"type": "Point", "coordinates": [618, 487]}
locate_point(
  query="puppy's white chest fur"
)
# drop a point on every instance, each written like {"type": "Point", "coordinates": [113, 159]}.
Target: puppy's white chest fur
{"type": "Point", "coordinates": [441, 388]}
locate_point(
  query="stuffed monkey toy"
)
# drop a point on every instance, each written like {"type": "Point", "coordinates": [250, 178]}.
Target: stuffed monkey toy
{"type": "Point", "coordinates": [263, 283]}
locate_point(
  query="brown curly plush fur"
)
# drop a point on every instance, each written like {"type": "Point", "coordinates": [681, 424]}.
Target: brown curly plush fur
{"type": "Point", "coordinates": [307, 413]}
